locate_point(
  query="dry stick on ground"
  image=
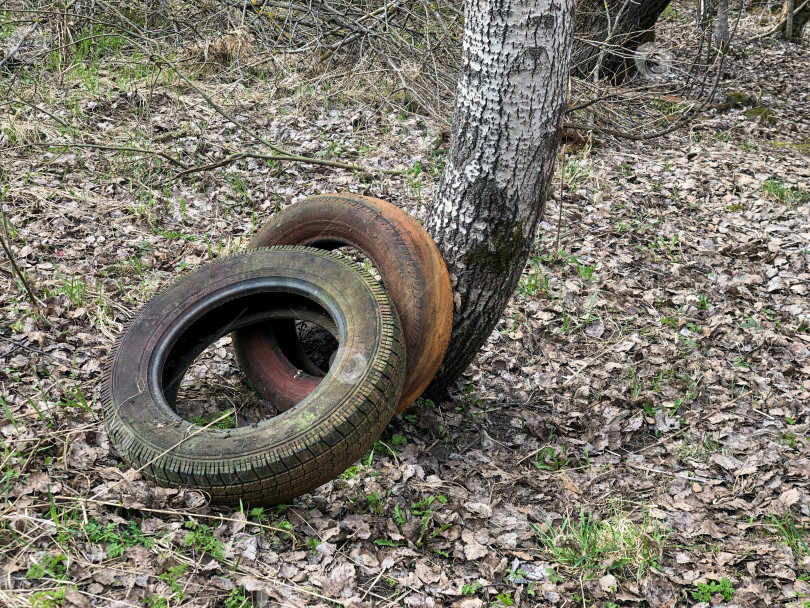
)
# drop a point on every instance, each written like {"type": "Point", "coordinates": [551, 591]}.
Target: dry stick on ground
{"type": "Point", "coordinates": [682, 120]}
{"type": "Point", "coordinates": [285, 155]}
{"type": "Point", "coordinates": [646, 92]}
{"type": "Point", "coordinates": [176, 512]}
{"type": "Point", "coordinates": [44, 111]}
{"type": "Point", "coordinates": [20, 275]}
{"type": "Point", "coordinates": [158, 59]}
{"type": "Point", "coordinates": [58, 144]}
{"type": "Point", "coordinates": [702, 417]}
{"type": "Point", "coordinates": [183, 440]}
{"type": "Point", "coordinates": [19, 44]}
{"type": "Point", "coordinates": [559, 219]}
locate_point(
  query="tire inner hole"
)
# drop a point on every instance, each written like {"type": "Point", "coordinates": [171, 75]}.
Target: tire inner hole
{"type": "Point", "coordinates": [216, 390]}
{"type": "Point", "coordinates": [212, 387]}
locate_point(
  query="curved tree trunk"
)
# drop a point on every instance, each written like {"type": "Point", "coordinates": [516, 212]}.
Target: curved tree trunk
{"type": "Point", "coordinates": [607, 33]}
{"type": "Point", "coordinates": [511, 92]}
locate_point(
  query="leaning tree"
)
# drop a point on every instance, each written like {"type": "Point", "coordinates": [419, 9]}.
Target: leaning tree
{"type": "Point", "coordinates": [608, 32]}
{"type": "Point", "coordinates": [511, 93]}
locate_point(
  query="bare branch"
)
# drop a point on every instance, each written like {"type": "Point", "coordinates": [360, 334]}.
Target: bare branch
{"type": "Point", "coordinates": [31, 297]}
{"type": "Point", "coordinates": [58, 144]}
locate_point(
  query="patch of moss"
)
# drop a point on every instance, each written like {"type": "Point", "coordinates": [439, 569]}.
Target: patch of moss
{"type": "Point", "coordinates": [764, 115]}
{"type": "Point", "coordinates": [505, 244]}
{"type": "Point", "coordinates": [803, 147]}
{"type": "Point", "coordinates": [740, 98]}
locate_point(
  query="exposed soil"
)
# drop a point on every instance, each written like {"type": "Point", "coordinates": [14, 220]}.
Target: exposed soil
{"type": "Point", "coordinates": [634, 432]}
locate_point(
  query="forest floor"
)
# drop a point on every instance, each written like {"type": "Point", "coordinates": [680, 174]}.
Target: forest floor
{"type": "Point", "coordinates": [634, 433]}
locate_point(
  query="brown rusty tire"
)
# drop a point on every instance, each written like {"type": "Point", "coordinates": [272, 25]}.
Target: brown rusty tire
{"type": "Point", "coordinates": [282, 372]}
{"type": "Point", "coordinates": [294, 452]}
{"type": "Point", "coordinates": [412, 270]}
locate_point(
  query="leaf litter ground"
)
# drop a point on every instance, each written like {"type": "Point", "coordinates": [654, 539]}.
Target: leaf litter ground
{"type": "Point", "coordinates": [635, 431]}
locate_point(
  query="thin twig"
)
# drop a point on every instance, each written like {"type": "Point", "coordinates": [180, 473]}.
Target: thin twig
{"type": "Point", "coordinates": [57, 144]}
{"type": "Point", "coordinates": [20, 275]}
{"type": "Point", "coordinates": [44, 111]}
{"type": "Point", "coordinates": [284, 155]}
{"type": "Point", "coordinates": [157, 58]}
{"type": "Point", "coordinates": [682, 120]}
{"type": "Point", "coordinates": [19, 44]}
{"type": "Point", "coordinates": [639, 467]}
{"type": "Point", "coordinates": [178, 513]}
{"type": "Point", "coordinates": [166, 451]}
{"type": "Point", "coordinates": [559, 218]}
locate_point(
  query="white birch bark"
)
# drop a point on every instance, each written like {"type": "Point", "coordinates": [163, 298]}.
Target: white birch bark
{"type": "Point", "coordinates": [510, 98]}
{"type": "Point", "coordinates": [791, 7]}
{"type": "Point", "coordinates": [721, 25]}
{"type": "Point", "coordinates": [706, 10]}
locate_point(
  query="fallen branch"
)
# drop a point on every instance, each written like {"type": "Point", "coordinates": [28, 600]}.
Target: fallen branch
{"type": "Point", "coordinates": [283, 154]}
{"type": "Point", "coordinates": [177, 513]}
{"type": "Point", "coordinates": [44, 111]}
{"type": "Point", "coordinates": [10, 55]}
{"type": "Point", "coordinates": [20, 275]}
{"type": "Point", "coordinates": [56, 144]}
{"type": "Point", "coordinates": [682, 120]}
{"type": "Point", "coordinates": [160, 59]}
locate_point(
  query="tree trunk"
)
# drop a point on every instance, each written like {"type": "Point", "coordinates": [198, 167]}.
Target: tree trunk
{"type": "Point", "coordinates": [608, 31]}
{"type": "Point", "coordinates": [800, 19]}
{"type": "Point", "coordinates": [510, 97]}
{"type": "Point", "coordinates": [801, 15]}
{"type": "Point", "coordinates": [705, 18]}
{"type": "Point", "coordinates": [721, 25]}
{"type": "Point", "coordinates": [791, 7]}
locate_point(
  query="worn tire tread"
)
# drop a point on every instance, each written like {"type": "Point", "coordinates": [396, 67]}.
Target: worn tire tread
{"type": "Point", "coordinates": [295, 465]}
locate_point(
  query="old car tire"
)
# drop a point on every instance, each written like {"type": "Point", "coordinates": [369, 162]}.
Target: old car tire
{"type": "Point", "coordinates": [282, 457]}
{"type": "Point", "coordinates": [412, 270]}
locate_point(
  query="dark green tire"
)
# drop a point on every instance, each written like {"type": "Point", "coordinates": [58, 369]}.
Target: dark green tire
{"type": "Point", "coordinates": [282, 457]}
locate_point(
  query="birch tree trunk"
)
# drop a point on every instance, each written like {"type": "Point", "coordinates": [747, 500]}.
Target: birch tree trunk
{"type": "Point", "coordinates": [510, 98]}
{"type": "Point", "coordinates": [721, 25]}
{"type": "Point", "coordinates": [706, 10]}
{"type": "Point", "coordinates": [791, 7]}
